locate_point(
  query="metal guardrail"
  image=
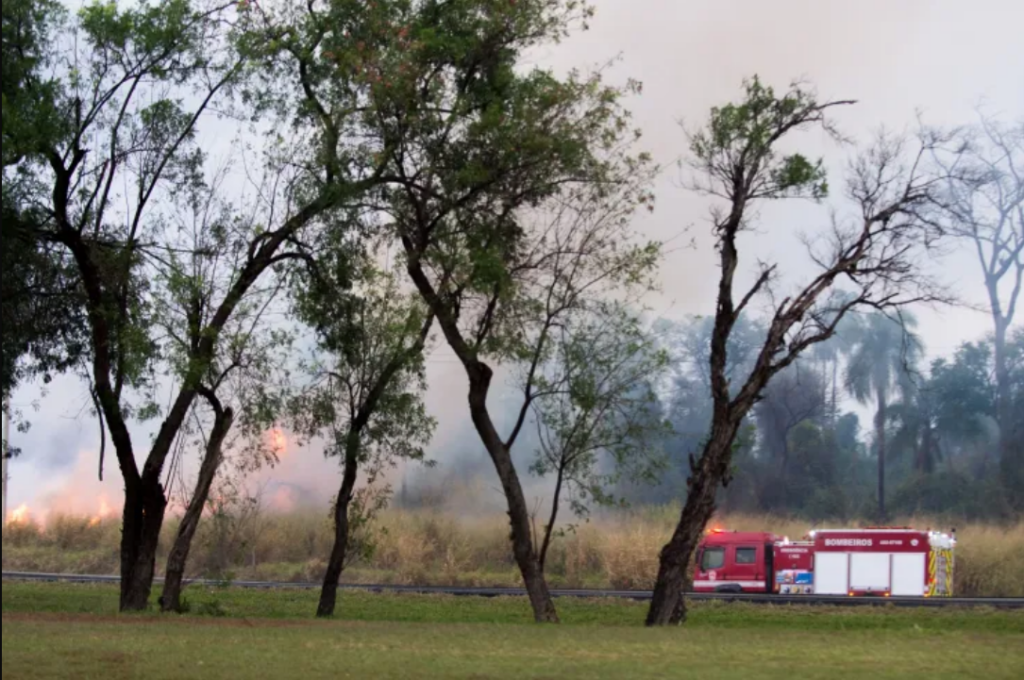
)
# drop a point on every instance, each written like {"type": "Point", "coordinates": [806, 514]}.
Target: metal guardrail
{"type": "Point", "coordinates": [639, 595]}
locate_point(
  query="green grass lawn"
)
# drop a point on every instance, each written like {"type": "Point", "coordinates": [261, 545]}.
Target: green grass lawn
{"type": "Point", "coordinates": [58, 631]}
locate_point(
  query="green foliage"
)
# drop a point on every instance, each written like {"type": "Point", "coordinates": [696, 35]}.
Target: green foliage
{"type": "Point", "coordinates": [110, 135]}
{"type": "Point", "coordinates": [43, 324]}
{"type": "Point", "coordinates": [31, 119]}
{"type": "Point", "coordinates": [963, 390]}
{"type": "Point", "coordinates": [886, 352]}
{"type": "Point", "coordinates": [597, 414]}
{"type": "Point", "coordinates": [368, 377]}
{"type": "Point", "coordinates": [738, 148]}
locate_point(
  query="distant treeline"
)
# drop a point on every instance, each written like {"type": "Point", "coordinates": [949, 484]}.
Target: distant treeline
{"type": "Point", "coordinates": [805, 452]}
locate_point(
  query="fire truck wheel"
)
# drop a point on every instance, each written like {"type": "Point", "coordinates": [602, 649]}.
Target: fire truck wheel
{"type": "Point", "coordinates": [733, 588]}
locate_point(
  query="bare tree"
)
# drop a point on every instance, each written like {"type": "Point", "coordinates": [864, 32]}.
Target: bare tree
{"type": "Point", "coordinates": [985, 202]}
{"type": "Point", "coordinates": [874, 257]}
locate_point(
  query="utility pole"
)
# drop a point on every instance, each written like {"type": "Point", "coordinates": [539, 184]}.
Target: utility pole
{"type": "Point", "coordinates": [6, 454]}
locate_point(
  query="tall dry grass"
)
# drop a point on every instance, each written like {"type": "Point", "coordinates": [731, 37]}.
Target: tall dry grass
{"type": "Point", "coordinates": [432, 547]}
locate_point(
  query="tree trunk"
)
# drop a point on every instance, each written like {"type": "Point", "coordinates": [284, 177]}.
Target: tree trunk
{"type": "Point", "coordinates": [549, 529]}
{"type": "Point", "coordinates": [143, 517]}
{"type": "Point", "coordinates": [668, 605]}
{"type": "Point", "coordinates": [519, 515]}
{"type": "Point", "coordinates": [170, 600]}
{"type": "Point", "coordinates": [1011, 462]}
{"type": "Point", "coordinates": [336, 564]}
{"type": "Point", "coordinates": [880, 420]}
{"type": "Point", "coordinates": [835, 393]}
{"type": "Point", "coordinates": [480, 375]}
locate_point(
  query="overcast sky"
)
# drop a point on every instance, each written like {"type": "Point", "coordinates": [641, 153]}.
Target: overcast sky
{"type": "Point", "coordinates": [942, 58]}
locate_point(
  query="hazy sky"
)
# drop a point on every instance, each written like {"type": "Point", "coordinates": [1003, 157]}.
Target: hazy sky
{"type": "Point", "coordinates": [941, 58]}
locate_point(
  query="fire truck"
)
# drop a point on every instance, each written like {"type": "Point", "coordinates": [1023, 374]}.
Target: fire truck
{"type": "Point", "coordinates": [877, 561]}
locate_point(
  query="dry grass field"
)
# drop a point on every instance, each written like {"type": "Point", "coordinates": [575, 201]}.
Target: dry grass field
{"type": "Point", "coordinates": [442, 548]}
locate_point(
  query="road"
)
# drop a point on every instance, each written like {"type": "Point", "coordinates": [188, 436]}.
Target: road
{"type": "Point", "coordinates": [999, 603]}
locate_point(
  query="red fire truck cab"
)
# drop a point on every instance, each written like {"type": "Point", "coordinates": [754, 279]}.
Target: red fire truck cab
{"type": "Point", "coordinates": [878, 561]}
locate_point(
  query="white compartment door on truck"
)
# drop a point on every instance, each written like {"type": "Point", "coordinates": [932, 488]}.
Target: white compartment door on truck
{"type": "Point", "coordinates": [908, 574]}
{"type": "Point", "coordinates": [831, 573]}
{"type": "Point", "coordinates": [869, 572]}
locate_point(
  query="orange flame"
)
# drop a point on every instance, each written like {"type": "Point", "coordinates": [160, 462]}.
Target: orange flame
{"type": "Point", "coordinates": [20, 515]}
{"type": "Point", "coordinates": [278, 442]}
{"type": "Point", "coordinates": [103, 513]}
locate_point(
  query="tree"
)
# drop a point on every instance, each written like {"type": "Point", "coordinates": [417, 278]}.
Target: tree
{"type": "Point", "coordinates": [42, 319]}
{"type": "Point", "coordinates": [122, 125]}
{"type": "Point", "coordinates": [595, 400]}
{"type": "Point", "coordinates": [985, 204]}
{"type": "Point", "coordinates": [553, 280]}
{"type": "Point", "coordinates": [914, 416]}
{"type": "Point", "coordinates": [1016, 374]}
{"type": "Point", "coordinates": [240, 384]}
{"type": "Point", "coordinates": [480, 152]}
{"type": "Point", "coordinates": [872, 258]}
{"type": "Point", "coordinates": [831, 354]}
{"type": "Point", "coordinates": [128, 143]}
{"type": "Point", "coordinates": [941, 416]}
{"type": "Point", "coordinates": [365, 399]}
{"type": "Point", "coordinates": [685, 396]}
{"type": "Point", "coordinates": [794, 397]}
{"type": "Point", "coordinates": [885, 353]}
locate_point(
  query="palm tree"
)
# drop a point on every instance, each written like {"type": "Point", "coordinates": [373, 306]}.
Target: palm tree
{"type": "Point", "coordinates": [830, 354]}
{"type": "Point", "coordinates": [916, 431]}
{"type": "Point", "coordinates": [884, 353]}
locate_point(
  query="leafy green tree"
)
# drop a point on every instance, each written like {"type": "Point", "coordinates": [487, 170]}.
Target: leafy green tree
{"type": "Point", "coordinates": [885, 355]}
{"type": "Point", "coordinates": [870, 258]}
{"type": "Point", "coordinates": [1015, 363]}
{"type": "Point", "coordinates": [947, 415]}
{"type": "Point", "coordinates": [813, 474]}
{"type": "Point", "coordinates": [796, 396]}
{"type": "Point", "coordinates": [123, 137]}
{"type": "Point", "coordinates": [365, 399]}
{"type": "Point", "coordinates": [133, 86]}
{"type": "Point", "coordinates": [239, 387]}
{"type": "Point", "coordinates": [914, 417]}
{"type": "Point", "coordinates": [488, 165]}
{"type": "Point", "coordinates": [43, 325]}
{"type": "Point", "coordinates": [686, 404]}
{"type": "Point", "coordinates": [596, 413]}
{"type": "Point", "coordinates": [964, 391]}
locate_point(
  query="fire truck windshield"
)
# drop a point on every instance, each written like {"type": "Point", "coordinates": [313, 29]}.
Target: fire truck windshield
{"type": "Point", "coordinates": [714, 558]}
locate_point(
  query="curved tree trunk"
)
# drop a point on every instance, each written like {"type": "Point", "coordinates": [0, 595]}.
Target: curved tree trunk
{"type": "Point", "coordinates": [336, 563]}
{"type": "Point", "coordinates": [480, 375]}
{"type": "Point", "coordinates": [519, 514]}
{"type": "Point", "coordinates": [668, 604]}
{"type": "Point", "coordinates": [170, 600]}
